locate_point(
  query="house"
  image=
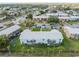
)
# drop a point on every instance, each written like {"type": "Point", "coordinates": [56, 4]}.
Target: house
{"type": "Point", "coordinates": [75, 25]}
{"type": "Point", "coordinates": [1, 25]}
{"type": "Point", "coordinates": [36, 13]}
{"type": "Point", "coordinates": [41, 26]}
{"type": "Point", "coordinates": [19, 20]}
{"type": "Point", "coordinates": [55, 26]}
{"type": "Point", "coordinates": [11, 31]}
{"type": "Point", "coordinates": [72, 25]}
{"type": "Point", "coordinates": [69, 18]}
{"type": "Point", "coordinates": [52, 14]}
{"type": "Point", "coordinates": [40, 18]}
{"type": "Point", "coordinates": [64, 18]}
{"type": "Point", "coordinates": [72, 12]}
{"type": "Point", "coordinates": [71, 32]}
{"type": "Point", "coordinates": [58, 14]}
{"type": "Point", "coordinates": [2, 18]}
{"type": "Point", "coordinates": [74, 17]}
{"type": "Point", "coordinates": [41, 37]}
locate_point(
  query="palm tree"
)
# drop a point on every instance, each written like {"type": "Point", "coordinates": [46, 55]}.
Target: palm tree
{"type": "Point", "coordinates": [30, 16]}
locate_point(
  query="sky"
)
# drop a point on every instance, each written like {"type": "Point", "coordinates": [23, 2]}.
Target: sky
{"type": "Point", "coordinates": [39, 1]}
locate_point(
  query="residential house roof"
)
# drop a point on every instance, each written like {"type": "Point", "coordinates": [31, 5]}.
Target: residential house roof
{"type": "Point", "coordinates": [9, 30]}
{"type": "Point", "coordinates": [53, 35]}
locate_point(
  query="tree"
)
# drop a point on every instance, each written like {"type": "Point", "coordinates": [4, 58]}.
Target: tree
{"type": "Point", "coordinates": [71, 13]}
{"type": "Point", "coordinates": [4, 13]}
{"type": "Point", "coordinates": [67, 8]}
{"type": "Point", "coordinates": [53, 19]}
{"type": "Point", "coordinates": [23, 26]}
{"type": "Point", "coordinates": [42, 12]}
{"type": "Point", "coordinates": [29, 23]}
{"type": "Point", "coordinates": [30, 16]}
{"type": "Point", "coordinates": [3, 43]}
{"type": "Point", "coordinates": [59, 7]}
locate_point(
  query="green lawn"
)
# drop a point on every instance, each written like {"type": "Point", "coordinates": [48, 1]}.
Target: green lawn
{"type": "Point", "coordinates": [46, 29]}
{"type": "Point", "coordinates": [15, 45]}
{"type": "Point", "coordinates": [41, 29]}
{"type": "Point", "coordinates": [73, 22]}
{"type": "Point", "coordinates": [35, 29]}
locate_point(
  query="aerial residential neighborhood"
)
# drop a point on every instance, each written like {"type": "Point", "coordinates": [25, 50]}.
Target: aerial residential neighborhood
{"type": "Point", "coordinates": [39, 29]}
